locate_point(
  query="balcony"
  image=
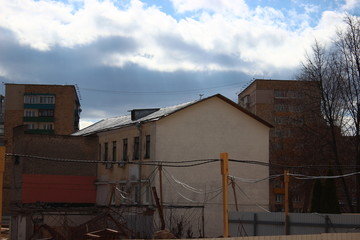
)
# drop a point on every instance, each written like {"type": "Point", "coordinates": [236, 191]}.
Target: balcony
{"type": "Point", "coordinates": [39, 106]}
{"type": "Point", "coordinates": [40, 131]}
{"type": "Point", "coordinates": [38, 119]}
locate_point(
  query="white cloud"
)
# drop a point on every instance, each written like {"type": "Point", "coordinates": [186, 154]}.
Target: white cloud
{"type": "Point", "coordinates": [235, 6]}
{"type": "Point", "coordinates": [351, 4]}
{"type": "Point", "coordinates": [225, 38]}
{"type": "Point", "coordinates": [86, 123]}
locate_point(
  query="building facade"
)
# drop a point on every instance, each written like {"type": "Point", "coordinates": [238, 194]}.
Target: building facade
{"type": "Point", "coordinates": [183, 144]}
{"type": "Point", "coordinates": [293, 109]}
{"type": "Point", "coordinates": [43, 109]}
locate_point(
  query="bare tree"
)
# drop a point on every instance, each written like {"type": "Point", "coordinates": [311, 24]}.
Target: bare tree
{"type": "Point", "coordinates": [325, 68]}
{"type": "Point", "coordinates": [348, 47]}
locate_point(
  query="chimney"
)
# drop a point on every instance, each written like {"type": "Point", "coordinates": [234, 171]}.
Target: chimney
{"type": "Point", "coordinates": [140, 113]}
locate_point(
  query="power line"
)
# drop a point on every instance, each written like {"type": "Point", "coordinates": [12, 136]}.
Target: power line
{"type": "Point", "coordinates": [160, 92]}
{"type": "Point", "coordinates": [148, 163]}
{"type": "Point", "coordinates": [304, 177]}
{"type": "Point", "coordinates": [185, 163]}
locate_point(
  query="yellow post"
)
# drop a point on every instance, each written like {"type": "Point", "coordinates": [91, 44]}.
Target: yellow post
{"type": "Point", "coordinates": [2, 168]}
{"type": "Point", "coordinates": [225, 173]}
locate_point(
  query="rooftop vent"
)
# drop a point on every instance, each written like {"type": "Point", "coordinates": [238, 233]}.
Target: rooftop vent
{"type": "Point", "coordinates": [140, 113]}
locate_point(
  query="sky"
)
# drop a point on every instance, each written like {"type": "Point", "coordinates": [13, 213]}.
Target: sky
{"type": "Point", "coordinates": [130, 54]}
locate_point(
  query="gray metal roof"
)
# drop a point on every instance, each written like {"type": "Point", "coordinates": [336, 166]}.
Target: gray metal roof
{"type": "Point", "coordinates": [123, 121]}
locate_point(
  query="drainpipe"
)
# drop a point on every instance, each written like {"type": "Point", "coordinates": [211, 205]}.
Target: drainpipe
{"type": "Point", "coordinates": [139, 127]}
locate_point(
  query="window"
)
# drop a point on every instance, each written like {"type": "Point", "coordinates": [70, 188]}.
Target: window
{"type": "Point", "coordinates": [296, 198]}
{"type": "Point", "coordinates": [279, 198]}
{"type": "Point", "coordinates": [147, 147]}
{"type": "Point", "coordinates": [39, 99]}
{"type": "Point", "coordinates": [99, 152]}
{"type": "Point", "coordinates": [136, 148]}
{"type": "Point", "coordinates": [114, 151]}
{"type": "Point", "coordinates": [280, 107]}
{"type": "Point", "coordinates": [125, 149]}
{"type": "Point", "coordinates": [30, 113]}
{"type": "Point", "coordinates": [279, 93]}
{"type": "Point", "coordinates": [105, 151]}
{"type": "Point", "coordinates": [47, 99]}
{"type": "Point", "coordinates": [136, 195]}
{"type": "Point", "coordinates": [47, 126]}
{"type": "Point", "coordinates": [46, 113]}
{"type": "Point", "coordinates": [31, 126]}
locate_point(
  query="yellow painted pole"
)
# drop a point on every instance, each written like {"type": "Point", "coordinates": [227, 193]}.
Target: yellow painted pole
{"type": "Point", "coordinates": [2, 168]}
{"type": "Point", "coordinates": [225, 173]}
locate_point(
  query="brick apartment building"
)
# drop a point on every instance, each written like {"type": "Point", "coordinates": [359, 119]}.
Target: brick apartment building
{"type": "Point", "coordinates": [43, 109]}
{"type": "Point", "coordinates": [290, 107]}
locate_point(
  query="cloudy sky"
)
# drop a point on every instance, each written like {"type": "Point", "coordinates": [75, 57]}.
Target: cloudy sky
{"type": "Point", "coordinates": [126, 54]}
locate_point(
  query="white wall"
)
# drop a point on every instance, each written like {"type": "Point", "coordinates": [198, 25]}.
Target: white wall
{"type": "Point", "coordinates": [203, 131]}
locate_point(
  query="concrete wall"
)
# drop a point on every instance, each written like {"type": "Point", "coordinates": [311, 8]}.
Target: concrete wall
{"type": "Point", "coordinates": [125, 175]}
{"type": "Point", "coordinates": [203, 131]}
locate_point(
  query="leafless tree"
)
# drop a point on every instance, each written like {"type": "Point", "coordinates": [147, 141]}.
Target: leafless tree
{"type": "Point", "coordinates": [348, 47]}
{"type": "Point", "coordinates": [324, 67]}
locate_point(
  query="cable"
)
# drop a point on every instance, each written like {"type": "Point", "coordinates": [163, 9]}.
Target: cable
{"type": "Point", "coordinates": [305, 177]}
{"type": "Point", "coordinates": [148, 163]}
{"type": "Point", "coordinates": [160, 92]}
{"type": "Point", "coordinates": [274, 165]}
{"type": "Point", "coordinates": [246, 180]}
{"type": "Point", "coordinates": [251, 199]}
{"type": "Point", "coordinates": [188, 199]}
{"type": "Point", "coordinates": [190, 188]}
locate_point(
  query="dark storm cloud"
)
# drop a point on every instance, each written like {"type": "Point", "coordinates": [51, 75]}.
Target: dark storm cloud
{"type": "Point", "coordinates": [110, 91]}
{"type": "Point", "coordinates": [197, 54]}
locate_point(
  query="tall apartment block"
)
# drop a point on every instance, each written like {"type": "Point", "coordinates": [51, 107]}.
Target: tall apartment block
{"type": "Point", "coordinates": [43, 109]}
{"type": "Point", "coordinates": [291, 108]}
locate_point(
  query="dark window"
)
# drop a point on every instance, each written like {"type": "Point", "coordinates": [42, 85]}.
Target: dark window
{"type": "Point", "coordinates": [46, 113]}
{"type": "Point", "coordinates": [125, 149]}
{"type": "Point", "coordinates": [136, 148]}
{"type": "Point", "coordinates": [105, 151]}
{"type": "Point", "coordinates": [114, 151]}
{"type": "Point", "coordinates": [147, 147]}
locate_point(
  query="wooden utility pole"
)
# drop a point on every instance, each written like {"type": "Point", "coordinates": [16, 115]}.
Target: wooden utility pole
{"type": "Point", "coordinates": [225, 173]}
{"type": "Point", "coordinates": [161, 189]}
{"type": "Point", "coordinates": [233, 187]}
{"type": "Point", "coordinates": [286, 201]}
{"type": "Point", "coordinates": [161, 214]}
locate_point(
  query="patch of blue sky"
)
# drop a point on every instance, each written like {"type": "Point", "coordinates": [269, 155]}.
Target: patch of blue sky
{"type": "Point", "coordinates": [167, 7]}
{"type": "Point", "coordinates": [299, 11]}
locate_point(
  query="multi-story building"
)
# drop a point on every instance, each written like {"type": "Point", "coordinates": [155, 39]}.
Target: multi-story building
{"type": "Point", "coordinates": [132, 147]}
{"type": "Point", "coordinates": [290, 106]}
{"type": "Point", "coordinates": [44, 109]}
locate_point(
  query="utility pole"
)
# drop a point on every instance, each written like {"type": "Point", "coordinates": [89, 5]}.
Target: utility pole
{"type": "Point", "coordinates": [160, 209]}
{"type": "Point", "coordinates": [225, 173]}
{"type": "Point", "coordinates": [286, 201]}
{"type": "Point", "coordinates": [233, 187]}
{"type": "Point", "coordinates": [161, 189]}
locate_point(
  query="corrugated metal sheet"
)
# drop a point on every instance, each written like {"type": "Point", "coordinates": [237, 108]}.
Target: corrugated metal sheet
{"type": "Point", "coordinates": [122, 121]}
{"type": "Point", "coordinates": [265, 224]}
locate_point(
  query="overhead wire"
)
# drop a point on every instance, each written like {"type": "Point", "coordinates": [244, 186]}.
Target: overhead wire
{"type": "Point", "coordinates": [190, 188]}
{"type": "Point", "coordinates": [160, 92]}
{"type": "Point", "coordinates": [258, 205]}
{"type": "Point", "coordinates": [304, 177]}
{"type": "Point", "coordinates": [148, 163]}
{"type": "Point", "coordinates": [188, 199]}
{"type": "Point", "coordinates": [256, 180]}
